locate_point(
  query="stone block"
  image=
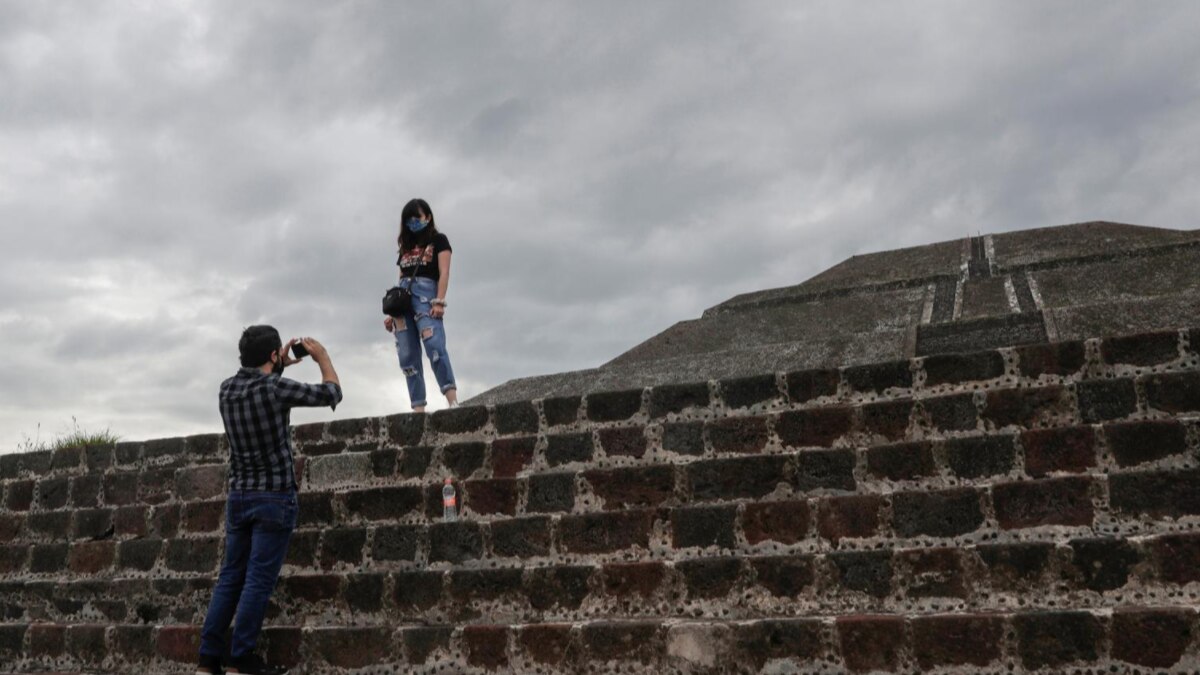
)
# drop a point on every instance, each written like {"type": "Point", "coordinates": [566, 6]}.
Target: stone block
{"type": "Point", "coordinates": [491, 497]}
{"type": "Point", "coordinates": [1177, 558]}
{"type": "Point", "coordinates": [131, 521]}
{"type": "Point", "coordinates": [1027, 408]}
{"type": "Point", "coordinates": [567, 448]}
{"type": "Point", "coordinates": [313, 588]}
{"type": "Point", "coordinates": [852, 517]}
{"type": "Point", "coordinates": [156, 486]}
{"type": "Point", "coordinates": [461, 420]}
{"type": "Point", "coordinates": [133, 643]}
{"type": "Point", "coordinates": [605, 532]}
{"type": "Point", "coordinates": [52, 493]}
{"type": "Point", "coordinates": [178, 643]}
{"type": "Point", "coordinates": [1102, 564]}
{"type": "Point", "coordinates": [405, 429]}
{"type": "Point", "coordinates": [878, 377]}
{"type": "Point", "coordinates": [1102, 400]}
{"type": "Point", "coordinates": [626, 579]}
{"type": "Point", "coordinates": [709, 578]}
{"type": "Point", "coordinates": [521, 537]}
{"type": "Point", "coordinates": [871, 643]}
{"type": "Point", "coordinates": [510, 456]}
{"type": "Point", "coordinates": [551, 492]}
{"type": "Point", "coordinates": [758, 642]}
{"type": "Point", "coordinates": [416, 591]}
{"type": "Point", "coordinates": [487, 646]}
{"type": "Point", "coordinates": [683, 438]}
{"type": "Point", "coordinates": [282, 645]}
{"type": "Point", "coordinates": [353, 428]}
{"type": "Point", "coordinates": [139, 554]}
{"type": "Point", "coordinates": [192, 555]}
{"type": "Point", "coordinates": [1173, 392]}
{"type": "Point", "coordinates": [1147, 349]}
{"type": "Point", "coordinates": [955, 412]}
{"type": "Point", "coordinates": [1133, 443]}
{"type": "Point", "coordinates": [1057, 358]}
{"type": "Point", "coordinates": [1065, 449]}
{"type": "Point", "coordinates": [559, 587]}
{"type": "Point", "coordinates": [201, 482]}
{"type": "Point", "coordinates": [624, 640]}
{"type": "Point", "coordinates": [957, 640]}
{"type": "Point", "coordinates": [623, 441]}
{"type": "Point", "coordinates": [364, 592]}
{"type": "Point", "coordinates": [942, 513]}
{"type": "Point", "coordinates": [889, 419]}
{"type": "Point", "coordinates": [467, 586]}
{"type": "Point", "coordinates": [824, 469]}
{"type": "Point", "coordinates": [703, 526]}
{"type": "Point", "coordinates": [561, 410]}
{"type": "Point", "coordinates": [55, 524]}
{"type": "Point", "coordinates": [932, 573]}
{"type": "Point", "coordinates": [1017, 566]}
{"type": "Point", "coordinates": [396, 542]}
{"type": "Point", "coordinates": [675, 398]}
{"type": "Point", "coordinates": [462, 460]}
{"type": "Point", "coordinates": [1169, 494]}
{"type": "Point", "coordinates": [1152, 638]}
{"type": "Point", "coordinates": [413, 462]}
{"type": "Point", "coordinates": [784, 576]}
{"type": "Point", "coordinates": [1050, 501]}
{"type": "Point", "coordinates": [383, 503]}
{"type": "Point", "coordinates": [1057, 639]}
{"type": "Point", "coordinates": [421, 642]}
{"type": "Point", "coordinates": [515, 418]}
{"type": "Point", "coordinates": [784, 522]}
{"type": "Point", "coordinates": [120, 488]}
{"type": "Point", "coordinates": [346, 647]}
{"type": "Point", "coordinates": [612, 406]}
{"type": "Point", "coordinates": [980, 456]}
{"type": "Point", "coordinates": [817, 427]}
{"type": "Point", "coordinates": [806, 385]}
{"type": "Point", "coordinates": [344, 469]}
{"type": "Point", "coordinates": [342, 546]}
{"type": "Point", "coordinates": [737, 478]}
{"type": "Point", "coordinates": [738, 434]}
{"type": "Point", "coordinates": [633, 486]}
{"type": "Point", "coordinates": [85, 491]}
{"type": "Point", "coordinates": [867, 572]}
{"type": "Point", "coordinates": [455, 542]}
{"type": "Point", "coordinates": [901, 461]}
{"type": "Point", "coordinates": [959, 368]}
{"type": "Point", "coordinates": [743, 392]}
{"type": "Point", "coordinates": [19, 496]}
{"type": "Point", "coordinates": [91, 557]}
{"type": "Point", "coordinates": [315, 508]}
{"type": "Point", "coordinates": [47, 640]}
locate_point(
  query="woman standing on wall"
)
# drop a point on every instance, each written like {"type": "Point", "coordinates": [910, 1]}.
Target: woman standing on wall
{"type": "Point", "coordinates": [425, 270]}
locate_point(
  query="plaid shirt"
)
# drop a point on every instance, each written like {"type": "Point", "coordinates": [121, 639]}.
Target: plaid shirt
{"type": "Point", "coordinates": [256, 409]}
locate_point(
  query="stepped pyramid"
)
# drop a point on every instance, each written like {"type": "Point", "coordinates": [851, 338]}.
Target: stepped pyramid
{"type": "Point", "coordinates": [975, 456]}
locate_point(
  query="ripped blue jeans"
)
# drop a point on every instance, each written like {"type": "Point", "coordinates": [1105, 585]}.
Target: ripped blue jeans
{"type": "Point", "coordinates": [419, 328]}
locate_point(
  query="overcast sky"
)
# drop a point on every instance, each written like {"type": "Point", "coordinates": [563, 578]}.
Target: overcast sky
{"type": "Point", "coordinates": [171, 172]}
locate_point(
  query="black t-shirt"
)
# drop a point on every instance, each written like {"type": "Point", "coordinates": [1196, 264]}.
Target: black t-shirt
{"type": "Point", "coordinates": [424, 258]}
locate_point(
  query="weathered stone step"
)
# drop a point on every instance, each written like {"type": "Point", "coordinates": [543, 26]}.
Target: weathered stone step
{"type": "Point", "coordinates": [1101, 571]}
{"type": "Point", "coordinates": [1135, 639]}
{"type": "Point", "coordinates": [970, 460]}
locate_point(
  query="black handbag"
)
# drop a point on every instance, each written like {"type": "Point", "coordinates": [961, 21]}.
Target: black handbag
{"type": "Point", "coordinates": [397, 301]}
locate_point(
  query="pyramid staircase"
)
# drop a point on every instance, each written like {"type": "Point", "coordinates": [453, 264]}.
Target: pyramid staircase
{"type": "Point", "coordinates": [1020, 509]}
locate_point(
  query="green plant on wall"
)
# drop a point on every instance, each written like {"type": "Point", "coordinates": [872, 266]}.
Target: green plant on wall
{"type": "Point", "coordinates": [74, 437]}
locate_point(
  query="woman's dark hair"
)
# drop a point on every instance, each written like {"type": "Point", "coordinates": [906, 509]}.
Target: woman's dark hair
{"type": "Point", "coordinates": [256, 345]}
{"type": "Point", "coordinates": [409, 240]}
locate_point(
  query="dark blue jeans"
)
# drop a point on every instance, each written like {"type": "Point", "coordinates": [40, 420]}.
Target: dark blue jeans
{"type": "Point", "coordinates": [258, 527]}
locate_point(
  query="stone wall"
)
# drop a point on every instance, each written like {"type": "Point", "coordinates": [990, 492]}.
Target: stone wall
{"type": "Point", "coordinates": [1008, 510]}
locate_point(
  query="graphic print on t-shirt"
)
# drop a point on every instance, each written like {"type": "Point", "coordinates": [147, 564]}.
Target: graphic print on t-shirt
{"type": "Point", "coordinates": [416, 256]}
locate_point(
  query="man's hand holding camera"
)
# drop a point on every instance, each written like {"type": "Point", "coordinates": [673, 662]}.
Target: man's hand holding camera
{"type": "Point", "coordinates": [297, 348]}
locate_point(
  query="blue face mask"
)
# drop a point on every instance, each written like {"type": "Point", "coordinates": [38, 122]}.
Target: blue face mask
{"type": "Point", "coordinates": [415, 224]}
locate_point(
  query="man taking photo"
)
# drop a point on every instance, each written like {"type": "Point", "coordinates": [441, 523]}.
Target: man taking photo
{"type": "Point", "coordinates": [261, 510]}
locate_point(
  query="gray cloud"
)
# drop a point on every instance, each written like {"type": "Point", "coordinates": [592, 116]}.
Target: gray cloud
{"type": "Point", "coordinates": [171, 174]}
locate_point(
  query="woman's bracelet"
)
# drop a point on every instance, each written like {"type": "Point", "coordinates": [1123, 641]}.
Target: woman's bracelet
{"type": "Point", "coordinates": [438, 301]}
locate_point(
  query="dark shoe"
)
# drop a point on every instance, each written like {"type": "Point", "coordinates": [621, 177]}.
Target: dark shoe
{"type": "Point", "coordinates": [209, 665]}
{"type": "Point", "coordinates": [252, 664]}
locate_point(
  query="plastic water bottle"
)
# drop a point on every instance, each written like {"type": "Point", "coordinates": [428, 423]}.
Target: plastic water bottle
{"type": "Point", "coordinates": [449, 502]}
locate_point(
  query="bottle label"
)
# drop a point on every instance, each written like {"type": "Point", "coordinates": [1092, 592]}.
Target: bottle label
{"type": "Point", "coordinates": [448, 501]}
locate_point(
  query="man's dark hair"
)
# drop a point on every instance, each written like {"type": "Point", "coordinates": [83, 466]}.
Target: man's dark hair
{"type": "Point", "coordinates": [256, 345]}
